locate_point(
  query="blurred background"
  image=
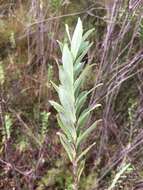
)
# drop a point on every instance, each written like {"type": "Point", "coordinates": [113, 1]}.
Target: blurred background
{"type": "Point", "coordinates": [31, 157]}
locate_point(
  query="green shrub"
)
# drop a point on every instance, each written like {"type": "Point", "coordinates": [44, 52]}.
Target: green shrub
{"type": "Point", "coordinates": [72, 117]}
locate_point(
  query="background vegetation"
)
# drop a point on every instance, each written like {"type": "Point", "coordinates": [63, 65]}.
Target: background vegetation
{"type": "Point", "coordinates": [31, 156]}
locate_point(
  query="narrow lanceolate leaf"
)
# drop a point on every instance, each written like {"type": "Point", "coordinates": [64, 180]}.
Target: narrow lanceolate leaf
{"type": "Point", "coordinates": [60, 45]}
{"type": "Point", "coordinates": [67, 146]}
{"type": "Point", "coordinates": [78, 68]}
{"type": "Point", "coordinates": [80, 169]}
{"type": "Point", "coordinates": [85, 114]}
{"type": "Point", "coordinates": [84, 94]}
{"type": "Point", "coordinates": [83, 46]}
{"type": "Point", "coordinates": [67, 122]}
{"type": "Point", "coordinates": [68, 33]}
{"type": "Point", "coordinates": [86, 133]}
{"type": "Point", "coordinates": [76, 39]}
{"type": "Point", "coordinates": [66, 83]}
{"type": "Point", "coordinates": [80, 157]}
{"type": "Point", "coordinates": [65, 128]}
{"type": "Point", "coordinates": [79, 64]}
{"type": "Point", "coordinates": [80, 80]}
{"type": "Point", "coordinates": [67, 61]}
{"type": "Point", "coordinates": [68, 104]}
{"type": "Point", "coordinates": [85, 36]}
{"type": "Point", "coordinates": [118, 175]}
{"type": "Point", "coordinates": [57, 106]}
{"type": "Point", "coordinates": [84, 52]}
{"type": "Point", "coordinates": [55, 86]}
{"type": "Point", "coordinates": [81, 99]}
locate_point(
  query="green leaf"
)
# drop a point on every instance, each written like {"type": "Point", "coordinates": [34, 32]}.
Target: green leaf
{"type": "Point", "coordinates": [84, 152]}
{"type": "Point", "coordinates": [55, 86]}
{"type": "Point", "coordinates": [86, 35]}
{"type": "Point", "coordinates": [80, 80]}
{"type": "Point", "coordinates": [79, 64]}
{"type": "Point", "coordinates": [63, 78]}
{"type": "Point", "coordinates": [60, 45]}
{"type": "Point", "coordinates": [68, 124]}
{"type": "Point", "coordinates": [81, 99]}
{"type": "Point", "coordinates": [57, 106]}
{"type": "Point", "coordinates": [67, 146]}
{"type": "Point", "coordinates": [118, 175]}
{"type": "Point", "coordinates": [68, 33]}
{"type": "Point", "coordinates": [77, 38]}
{"type": "Point", "coordinates": [78, 68]}
{"type": "Point", "coordinates": [83, 46]}
{"type": "Point", "coordinates": [65, 81]}
{"type": "Point", "coordinates": [65, 128]}
{"type": "Point", "coordinates": [67, 102]}
{"type": "Point", "coordinates": [85, 114]}
{"type": "Point", "coordinates": [80, 169]}
{"type": "Point", "coordinates": [84, 52]}
{"type": "Point", "coordinates": [67, 61]}
{"type": "Point", "coordinates": [85, 134]}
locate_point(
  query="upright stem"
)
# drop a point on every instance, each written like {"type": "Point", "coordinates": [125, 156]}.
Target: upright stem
{"type": "Point", "coordinates": [75, 175]}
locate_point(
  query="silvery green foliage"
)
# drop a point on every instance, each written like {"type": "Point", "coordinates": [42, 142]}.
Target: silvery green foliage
{"type": "Point", "coordinates": [71, 116]}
